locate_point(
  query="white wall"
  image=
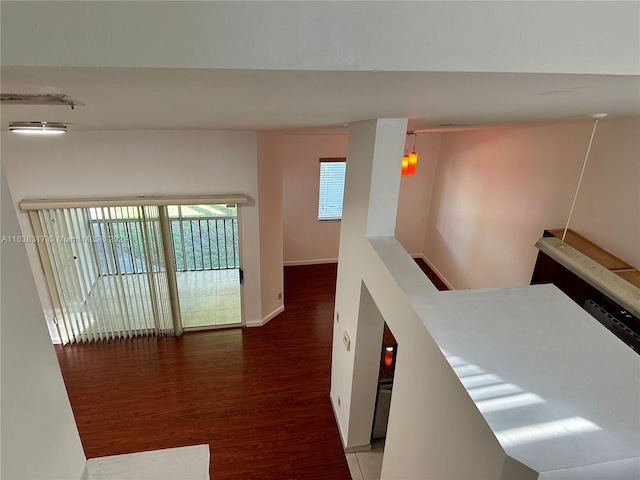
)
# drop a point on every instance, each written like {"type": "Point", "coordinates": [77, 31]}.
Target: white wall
{"type": "Point", "coordinates": [426, 392]}
{"type": "Point", "coordinates": [346, 395]}
{"type": "Point", "coordinates": [132, 163]}
{"type": "Point", "coordinates": [436, 429]}
{"type": "Point", "coordinates": [607, 210]}
{"type": "Point", "coordinates": [306, 240]}
{"type": "Point", "coordinates": [415, 193]}
{"type": "Point", "coordinates": [39, 436]}
{"type": "Point", "coordinates": [270, 196]}
{"type": "Point", "coordinates": [496, 191]}
{"type": "Point", "coordinates": [556, 37]}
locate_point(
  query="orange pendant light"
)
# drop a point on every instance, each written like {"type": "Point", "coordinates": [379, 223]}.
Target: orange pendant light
{"type": "Point", "coordinates": [405, 165]}
{"type": "Point", "coordinates": [413, 161]}
{"type": "Point", "coordinates": [410, 161]}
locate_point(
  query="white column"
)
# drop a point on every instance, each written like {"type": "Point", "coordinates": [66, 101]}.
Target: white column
{"type": "Point", "coordinates": [370, 202]}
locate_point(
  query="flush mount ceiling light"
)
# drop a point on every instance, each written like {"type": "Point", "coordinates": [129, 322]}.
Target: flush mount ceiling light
{"type": "Point", "coordinates": [38, 99]}
{"type": "Point", "coordinates": [38, 128]}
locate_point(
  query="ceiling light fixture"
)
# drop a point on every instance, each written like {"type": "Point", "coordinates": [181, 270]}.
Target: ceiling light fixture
{"type": "Point", "coordinates": [388, 356]}
{"type": "Point", "coordinates": [410, 160]}
{"type": "Point", "coordinates": [38, 128]}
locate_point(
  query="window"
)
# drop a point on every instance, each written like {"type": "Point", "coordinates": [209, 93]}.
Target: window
{"type": "Point", "coordinates": [332, 172]}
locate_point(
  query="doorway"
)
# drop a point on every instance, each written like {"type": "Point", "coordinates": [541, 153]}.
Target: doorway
{"type": "Point", "coordinates": [373, 377]}
{"type": "Point", "coordinates": [207, 262]}
{"type": "Point", "coordinates": [385, 386]}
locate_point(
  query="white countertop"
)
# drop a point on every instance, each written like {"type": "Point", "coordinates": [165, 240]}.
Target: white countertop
{"type": "Point", "coordinates": [556, 387]}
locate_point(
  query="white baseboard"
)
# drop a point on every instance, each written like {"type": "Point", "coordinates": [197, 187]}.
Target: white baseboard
{"type": "Point", "coordinates": [358, 448]}
{"type": "Point", "coordinates": [437, 272]}
{"type": "Point", "coordinates": [265, 320]}
{"type": "Point", "coordinates": [335, 415]}
{"type": "Point", "coordinates": [316, 261]}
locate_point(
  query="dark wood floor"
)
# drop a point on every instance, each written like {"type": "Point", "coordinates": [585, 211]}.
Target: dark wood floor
{"type": "Point", "coordinates": [439, 284]}
{"type": "Point", "coordinates": [258, 396]}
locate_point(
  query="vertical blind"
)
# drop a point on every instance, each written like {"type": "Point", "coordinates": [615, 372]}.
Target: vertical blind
{"type": "Point", "coordinates": [109, 270]}
{"type": "Point", "coordinates": [332, 173]}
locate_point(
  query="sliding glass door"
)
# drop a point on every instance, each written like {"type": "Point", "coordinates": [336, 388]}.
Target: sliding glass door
{"type": "Point", "coordinates": [127, 271]}
{"type": "Point", "coordinates": [207, 257]}
{"type": "Point", "coordinates": [109, 272]}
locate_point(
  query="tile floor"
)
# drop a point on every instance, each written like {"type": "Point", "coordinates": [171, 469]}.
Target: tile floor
{"type": "Point", "coordinates": [209, 298]}
{"type": "Point", "coordinates": [366, 465]}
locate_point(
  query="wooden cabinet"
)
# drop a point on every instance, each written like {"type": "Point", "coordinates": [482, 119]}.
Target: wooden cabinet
{"type": "Point", "coordinates": [548, 270]}
{"type": "Point", "coordinates": [591, 294]}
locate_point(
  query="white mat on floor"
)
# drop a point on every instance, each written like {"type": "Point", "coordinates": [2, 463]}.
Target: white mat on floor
{"type": "Point", "coordinates": [184, 463]}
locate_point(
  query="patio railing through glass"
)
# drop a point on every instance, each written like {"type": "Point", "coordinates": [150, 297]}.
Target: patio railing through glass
{"type": "Point", "coordinates": [202, 243]}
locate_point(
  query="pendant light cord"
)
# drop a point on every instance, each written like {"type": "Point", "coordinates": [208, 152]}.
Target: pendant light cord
{"type": "Point", "coordinates": [573, 204]}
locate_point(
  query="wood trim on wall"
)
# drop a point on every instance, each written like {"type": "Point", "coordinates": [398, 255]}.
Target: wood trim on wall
{"type": "Point", "coordinates": [144, 201]}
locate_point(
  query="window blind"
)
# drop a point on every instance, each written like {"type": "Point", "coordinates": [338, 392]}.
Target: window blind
{"type": "Point", "coordinates": [110, 273]}
{"type": "Point", "coordinates": [332, 173]}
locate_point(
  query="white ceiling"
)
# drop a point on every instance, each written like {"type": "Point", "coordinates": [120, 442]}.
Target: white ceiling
{"type": "Point", "coordinates": [151, 98]}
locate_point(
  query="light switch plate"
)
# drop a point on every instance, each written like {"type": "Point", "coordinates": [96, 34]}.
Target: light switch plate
{"type": "Point", "coordinates": [346, 340]}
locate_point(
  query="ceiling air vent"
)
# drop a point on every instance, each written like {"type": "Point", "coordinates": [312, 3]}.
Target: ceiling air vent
{"type": "Point", "coordinates": [38, 99]}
